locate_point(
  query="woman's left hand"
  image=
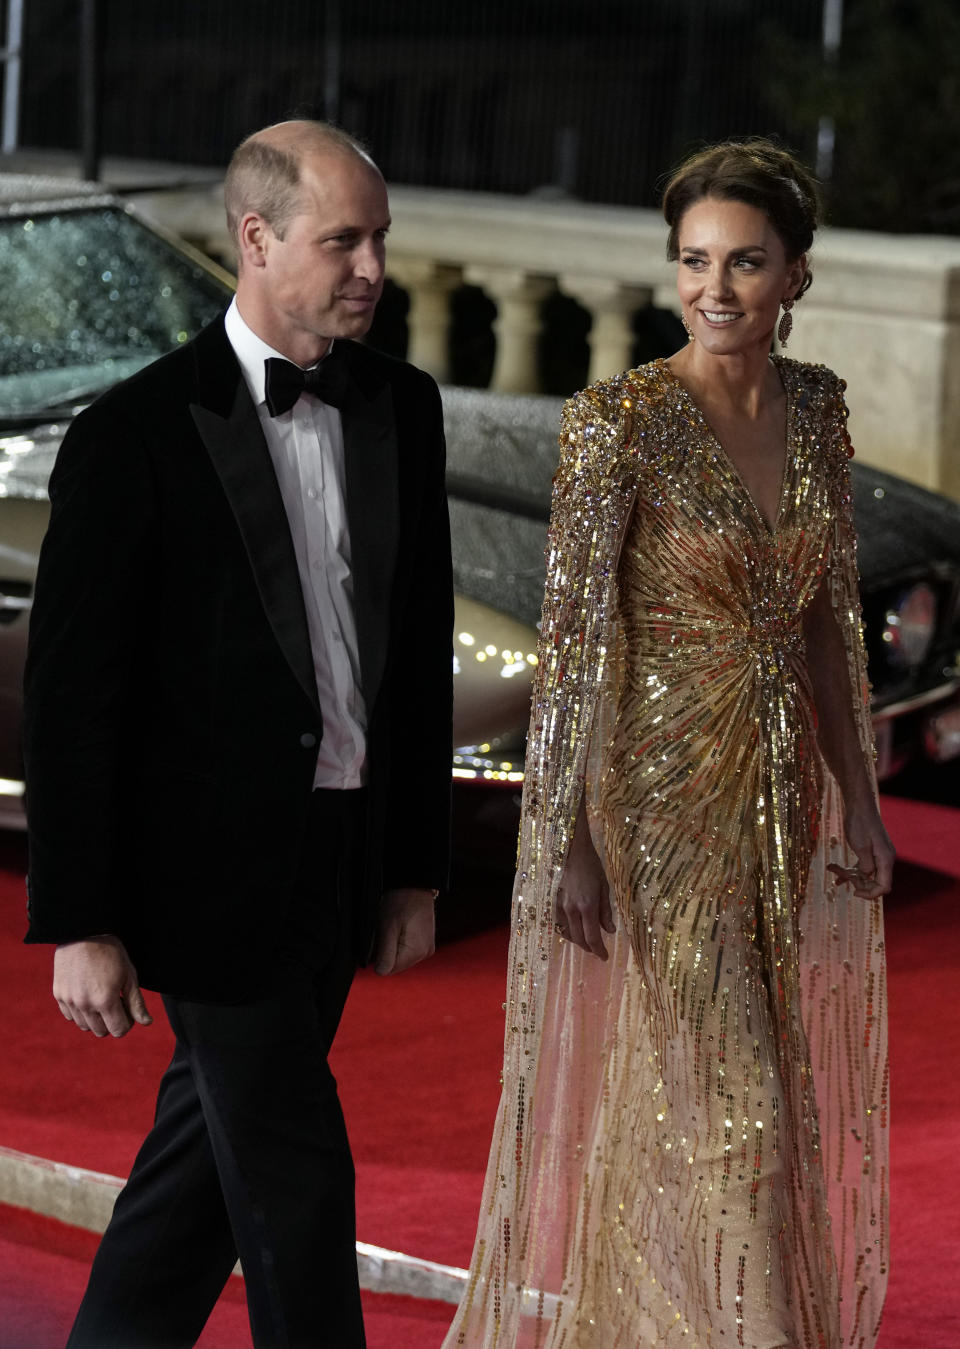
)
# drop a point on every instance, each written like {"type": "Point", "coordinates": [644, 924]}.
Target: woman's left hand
{"type": "Point", "coordinates": [866, 836]}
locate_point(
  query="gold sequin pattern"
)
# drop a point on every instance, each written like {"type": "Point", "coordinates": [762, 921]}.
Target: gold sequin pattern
{"type": "Point", "coordinates": [691, 1144]}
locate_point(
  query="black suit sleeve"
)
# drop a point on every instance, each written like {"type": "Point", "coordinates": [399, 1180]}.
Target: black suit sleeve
{"type": "Point", "coordinates": [417, 826]}
{"type": "Point", "coordinates": [92, 594]}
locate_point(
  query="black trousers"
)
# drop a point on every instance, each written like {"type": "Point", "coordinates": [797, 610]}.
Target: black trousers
{"type": "Point", "coordinates": [248, 1156]}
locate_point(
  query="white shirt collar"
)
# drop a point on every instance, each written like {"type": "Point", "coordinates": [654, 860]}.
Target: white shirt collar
{"type": "Point", "coordinates": [251, 351]}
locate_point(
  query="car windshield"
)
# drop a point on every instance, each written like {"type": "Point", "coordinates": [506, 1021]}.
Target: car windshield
{"type": "Point", "coordinates": [89, 297]}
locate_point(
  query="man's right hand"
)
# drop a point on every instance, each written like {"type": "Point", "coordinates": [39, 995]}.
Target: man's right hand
{"type": "Point", "coordinates": [96, 986]}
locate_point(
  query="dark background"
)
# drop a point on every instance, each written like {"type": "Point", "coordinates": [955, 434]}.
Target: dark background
{"type": "Point", "coordinates": [571, 97]}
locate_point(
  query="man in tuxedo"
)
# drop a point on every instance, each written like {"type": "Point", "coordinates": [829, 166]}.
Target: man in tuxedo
{"type": "Point", "coordinates": [237, 739]}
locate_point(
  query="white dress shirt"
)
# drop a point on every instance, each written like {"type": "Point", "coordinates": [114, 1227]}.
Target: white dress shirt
{"type": "Point", "coordinates": [306, 446]}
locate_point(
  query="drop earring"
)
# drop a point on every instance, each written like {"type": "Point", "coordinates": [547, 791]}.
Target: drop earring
{"type": "Point", "coordinates": [686, 328]}
{"type": "Point", "coordinates": [786, 323]}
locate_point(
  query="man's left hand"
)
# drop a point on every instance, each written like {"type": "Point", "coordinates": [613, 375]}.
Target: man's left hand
{"type": "Point", "coordinates": [407, 930]}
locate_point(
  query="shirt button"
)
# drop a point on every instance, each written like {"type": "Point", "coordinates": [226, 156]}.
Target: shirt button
{"type": "Point", "coordinates": [312, 493]}
{"type": "Point", "coordinates": [308, 740]}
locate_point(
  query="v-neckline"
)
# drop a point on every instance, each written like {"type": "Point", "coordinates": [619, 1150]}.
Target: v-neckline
{"type": "Point", "coordinates": [770, 529]}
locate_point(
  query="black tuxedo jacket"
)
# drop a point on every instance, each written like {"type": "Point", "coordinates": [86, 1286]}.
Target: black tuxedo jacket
{"type": "Point", "coordinates": [171, 715]}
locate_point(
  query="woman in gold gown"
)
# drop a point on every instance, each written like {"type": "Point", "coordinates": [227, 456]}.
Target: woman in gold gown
{"type": "Point", "coordinates": [691, 1146]}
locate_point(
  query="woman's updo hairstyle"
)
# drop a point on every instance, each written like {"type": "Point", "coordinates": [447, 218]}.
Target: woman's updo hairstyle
{"type": "Point", "coordinates": [758, 173]}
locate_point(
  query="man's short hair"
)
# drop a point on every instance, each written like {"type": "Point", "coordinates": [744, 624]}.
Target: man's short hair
{"type": "Point", "coordinates": [265, 177]}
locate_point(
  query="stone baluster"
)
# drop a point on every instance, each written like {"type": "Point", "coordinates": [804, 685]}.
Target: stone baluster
{"type": "Point", "coordinates": [611, 306]}
{"type": "Point", "coordinates": [429, 286]}
{"type": "Point", "coordinates": [518, 296]}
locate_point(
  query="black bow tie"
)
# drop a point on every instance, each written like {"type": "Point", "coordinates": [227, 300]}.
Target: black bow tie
{"type": "Point", "coordinates": [284, 383]}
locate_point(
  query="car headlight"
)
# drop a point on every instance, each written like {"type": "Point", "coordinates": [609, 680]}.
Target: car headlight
{"type": "Point", "coordinates": [909, 626]}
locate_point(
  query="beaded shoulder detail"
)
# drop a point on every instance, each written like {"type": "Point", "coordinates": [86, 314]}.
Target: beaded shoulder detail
{"type": "Point", "coordinates": [633, 394]}
{"type": "Point", "coordinates": [819, 393]}
{"type": "Point", "coordinates": [634, 400]}
{"type": "Point", "coordinates": [625, 396]}
{"type": "Point", "coordinates": [604, 430]}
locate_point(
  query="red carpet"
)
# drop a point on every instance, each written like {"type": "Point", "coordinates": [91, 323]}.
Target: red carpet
{"type": "Point", "coordinates": [43, 1267]}
{"type": "Point", "coordinates": [923, 946]}
{"type": "Point", "coordinates": [418, 1063]}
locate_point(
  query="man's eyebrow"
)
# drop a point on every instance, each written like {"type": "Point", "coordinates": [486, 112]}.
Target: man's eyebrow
{"type": "Point", "coordinates": [333, 230]}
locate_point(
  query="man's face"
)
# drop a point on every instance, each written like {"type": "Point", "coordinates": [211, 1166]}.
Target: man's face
{"type": "Point", "coordinates": [324, 277]}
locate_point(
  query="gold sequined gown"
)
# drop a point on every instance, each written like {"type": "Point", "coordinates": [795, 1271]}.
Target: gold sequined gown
{"type": "Point", "coordinates": [691, 1143]}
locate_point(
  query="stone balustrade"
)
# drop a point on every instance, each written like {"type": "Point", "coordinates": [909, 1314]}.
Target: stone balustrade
{"type": "Point", "coordinates": [884, 310]}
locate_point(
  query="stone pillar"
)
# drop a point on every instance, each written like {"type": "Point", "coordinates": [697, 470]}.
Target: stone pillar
{"type": "Point", "coordinates": [611, 307]}
{"type": "Point", "coordinates": [903, 379]}
{"type": "Point", "coordinates": [429, 286]}
{"type": "Point", "coordinates": [518, 296]}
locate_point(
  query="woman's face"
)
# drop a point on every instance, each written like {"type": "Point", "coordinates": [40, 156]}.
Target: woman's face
{"type": "Point", "coordinates": [732, 275]}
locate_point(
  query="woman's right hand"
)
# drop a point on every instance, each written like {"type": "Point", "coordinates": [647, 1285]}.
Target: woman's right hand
{"type": "Point", "coordinates": [583, 908]}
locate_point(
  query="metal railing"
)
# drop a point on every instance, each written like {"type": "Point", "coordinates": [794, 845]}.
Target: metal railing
{"type": "Point", "coordinates": [554, 96]}
{"type": "Point", "coordinates": [11, 55]}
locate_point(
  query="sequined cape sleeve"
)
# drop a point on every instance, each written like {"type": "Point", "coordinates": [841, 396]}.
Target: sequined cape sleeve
{"type": "Point", "coordinates": [525, 1195]}
{"type": "Point", "coordinates": [593, 491]}
{"type": "Point", "coordinates": [841, 956]}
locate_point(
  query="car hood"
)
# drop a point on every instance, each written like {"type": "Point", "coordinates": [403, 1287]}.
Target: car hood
{"type": "Point", "coordinates": [901, 527]}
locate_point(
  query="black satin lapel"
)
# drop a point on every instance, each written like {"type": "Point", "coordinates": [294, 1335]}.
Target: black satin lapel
{"type": "Point", "coordinates": [370, 453]}
{"type": "Point", "coordinates": [240, 456]}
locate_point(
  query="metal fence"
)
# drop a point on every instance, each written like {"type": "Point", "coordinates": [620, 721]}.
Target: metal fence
{"type": "Point", "coordinates": [592, 98]}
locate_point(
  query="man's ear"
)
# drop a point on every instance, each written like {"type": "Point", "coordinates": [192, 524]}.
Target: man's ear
{"type": "Point", "coordinates": [253, 239]}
